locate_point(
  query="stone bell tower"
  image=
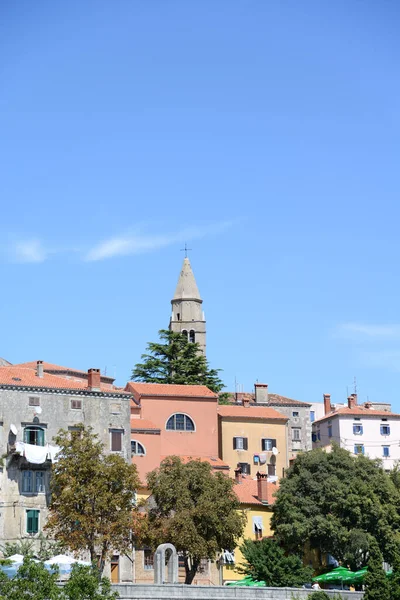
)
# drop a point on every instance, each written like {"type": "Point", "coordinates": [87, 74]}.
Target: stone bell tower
{"type": "Point", "coordinates": [187, 313]}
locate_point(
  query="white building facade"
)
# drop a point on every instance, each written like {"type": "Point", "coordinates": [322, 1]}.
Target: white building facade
{"type": "Point", "coordinates": [360, 429]}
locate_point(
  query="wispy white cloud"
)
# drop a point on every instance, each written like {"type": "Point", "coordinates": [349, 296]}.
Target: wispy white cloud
{"type": "Point", "coordinates": [368, 331]}
{"type": "Point", "coordinates": [138, 243]}
{"type": "Point", "coordinates": [29, 251]}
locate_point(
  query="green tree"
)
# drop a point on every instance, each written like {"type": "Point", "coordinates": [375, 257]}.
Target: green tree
{"type": "Point", "coordinates": [376, 583]}
{"type": "Point", "coordinates": [84, 584]}
{"type": "Point", "coordinates": [195, 509]}
{"type": "Point", "coordinates": [176, 360]}
{"type": "Point", "coordinates": [92, 498]}
{"type": "Point", "coordinates": [331, 500]}
{"type": "Point", "coordinates": [24, 547]}
{"type": "Point", "coordinates": [32, 582]}
{"type": "Point", "coordinates": [265, 560]}
{"type": "Point", "coordinates": [394, 581]}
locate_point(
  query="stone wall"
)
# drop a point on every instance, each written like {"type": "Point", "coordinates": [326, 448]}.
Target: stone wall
{"type": "Point", "coordinates": [187, 592]}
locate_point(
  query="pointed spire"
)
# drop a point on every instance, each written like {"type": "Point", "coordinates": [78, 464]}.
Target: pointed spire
{"type": "Point", "coordinates": [187, 286]}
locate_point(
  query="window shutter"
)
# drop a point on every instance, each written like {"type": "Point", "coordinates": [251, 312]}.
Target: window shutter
{"type": "Point", "coordinates": [245, 445]}
{"type": "Point", "coordinates": [274, 443]}
{"type": "Point", "coordinates": [234, 443]}
{"type": "Point", "coordinates": [263, 444]}
{"type": "Point", "coordinates": [40, 437]}
{"type": "Point", "coordinates": [116, 441]}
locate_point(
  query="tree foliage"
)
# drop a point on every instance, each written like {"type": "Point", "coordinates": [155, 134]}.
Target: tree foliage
{"type": "Point", "coordinates": [176, 360]}
{"type": "Point", "coordinates": [92, 496]}
{"type": "Point", "coordinates": [195, 509]}
{"type": "Point", "coordinates": [34, 582]}
{"type": "Point", "coordinates": [376, 583]}
{"type": "Point", "coordinates": [333, 500]}
{"type": "Point", "coordinates": [265, 560]}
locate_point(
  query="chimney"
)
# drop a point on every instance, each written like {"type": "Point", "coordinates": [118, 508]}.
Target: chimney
{"type": "Point", "coordinates": [262, 487]}
{"type": "Point", "coordinates": [94, 380]}
{"type": "Point", "coordinates": [368, 405]}
{"type": "Point", "coordinates": [246, 402]}
{"type": "Point", "coordinates": [352, 401]}
{"type": "Point", "coordinates": [238, 475]}
{"type": "Point", "coordinates": [39, 368]}
{"type": "Point", "coordinates": [261, 393]}
{"type": "Point", "coordinates": [327, 403]}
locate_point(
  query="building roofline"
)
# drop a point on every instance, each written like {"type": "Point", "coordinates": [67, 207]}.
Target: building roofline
{"type": "Point", "coordinates": [68, 391]}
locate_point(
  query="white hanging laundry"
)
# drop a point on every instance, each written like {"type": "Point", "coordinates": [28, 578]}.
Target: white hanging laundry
{"type": "Point", "coordinates": [53, 451]}
{"type": "Point", "coordinates": [36, 454]}
{"type": "Point", "coordinates": [263, 459]}
{"type": "Point", "coordinates": [19, 447]}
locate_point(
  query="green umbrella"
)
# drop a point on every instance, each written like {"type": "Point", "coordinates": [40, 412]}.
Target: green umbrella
{"type": "Point", "coordinates": [247, 581]}
{"type": "Point", "coordinates": [338, 574]}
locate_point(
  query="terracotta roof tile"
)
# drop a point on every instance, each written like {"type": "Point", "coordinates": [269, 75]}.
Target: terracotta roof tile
{"type": "Point", "coordinates": [247, 492]}
{"type": "Point", "coordinates": [177, 391]}
{"type": "Point", "coordinates": [52, 367]}
{"type": "Point", "coordinates": [250, 412]}
{"type": "Point", "coordinates": [273, 399]}
{"type": "Point", "coordinates": [24, 377]}
{"type": "Point", "coordinates": [357, 411]}
{"type": "Point", "coordinates": [145, 424]}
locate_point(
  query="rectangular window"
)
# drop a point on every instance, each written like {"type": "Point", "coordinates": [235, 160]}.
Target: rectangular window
{"type": "Point", "coordinates": [148, 558]}
{"type": "Point", "coordinates": [27, 482]}
{"type": "Point", "coordinates": [34, 436]}
{"type": "Point", "coordinates": [32, 521]}
{"type": "Point", "coordinates": [295, 434]}
{"type": "Point", "coordinates": [295, 413]}
{"type": "Point", "coordinates": [359, 449]}
{"type": "Point", "coordinates": [116, 440]}
{"type": "Point", "coordinates": [314, 437]}
{"type": "Point", "coordinates": [240, 443]}
{"type": "Point", "coordinates": [76, 404]}
{"type": "Point", "coordinates": [245, 468]}
{"type": "Point", "coordinates": [330, 431]}
{"type": "Point", "coordinates": [385, 429]}
{"type": "Point", "coordinates": [258, 527]}
{"type": "Point", "coordinates": [386, 451]}
{"type": "Point", "coordinates": [34, 401]}
{"type": "Point", "coordinates": [39, 482]}
{"type": "Point", "coordinates": [272, 470]}
{"type": "Point", "coordinates": [312, 416]}
{"type": "Point", "coordinates": [267, 444]}
{"type": "Point", "coordinates": [358, 429]}
{"type": "Point", "coordinates": [319, 435]}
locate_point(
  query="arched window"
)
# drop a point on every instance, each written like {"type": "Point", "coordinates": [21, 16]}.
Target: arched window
{"type": "Point", "coordinates": [34, 436]}
{"type": "Point", "coordinates": [184, 333]}
{"type": "Point", "coordinates": [192, 336]}
{"type": "Point", "coordinates": [180, 422]}
{"type": "Point", "coordinates": [137, 448]}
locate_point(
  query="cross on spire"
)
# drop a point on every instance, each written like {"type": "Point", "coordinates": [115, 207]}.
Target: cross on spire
{"type": "Point", "coordinates": [186, 250]}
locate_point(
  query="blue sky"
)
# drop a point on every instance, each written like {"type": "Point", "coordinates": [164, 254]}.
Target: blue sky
{"type": "Point", "coordinates": [265, 134]}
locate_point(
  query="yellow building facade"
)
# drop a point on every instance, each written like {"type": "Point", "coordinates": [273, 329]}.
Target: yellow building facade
{"type": "Point", "coordinates": [256, 502]}
{"type": "Point", "coordinates": [256, 438]}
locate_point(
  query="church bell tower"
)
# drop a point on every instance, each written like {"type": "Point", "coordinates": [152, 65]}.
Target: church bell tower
{"type": "Point", "coordinates": [187, 312]}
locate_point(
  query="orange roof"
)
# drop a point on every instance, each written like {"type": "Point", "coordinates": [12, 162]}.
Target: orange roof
{"type": "Point", "coordinates": [170, 390]}
{"type": "Point", "coordinates": [51, 367]}
{"type": "Point", "coordinates": [145, 424]}
{"type": "Point", "coordinates": [357, 411]}
{"type": "Point", "coordinates": [215, 462]}
{"type": "Point", "coordinates": [247, 492]}
{"type": "Point", "coordinates": [250, 412]}
{"type": "Point", "coordinates": [23, 377]}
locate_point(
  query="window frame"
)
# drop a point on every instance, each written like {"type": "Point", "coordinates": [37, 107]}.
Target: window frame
{"type": "Point", "coordinates": [77, 401]}
{"type": "Point", "coordinates": [138, 453]}
{"type": "Point", "coordinates": [115, 430]}
{"type": "Point", "coordinates": [36, 428]}
{"type": "Point", "coordinates": [263, 444]}
{"type": "Point", "coordinates": [330, 432]}
{"type": "Point", "coordinates": [37, 519]}
{"type": "Point", "coordinates": [192, 336]}
{"type": "Point", "coordinates": [246, 466]}
{"type": "Point", "coordinates": [180, 430]}
{"type": "Point", "coordinates": [244, 443]}
{"type": "Point", "coordinates": [148, 559]}
{"type": "Point", "coordinates": [34, 401]}
{"type": "Point", "coordinates": [383, 451]}
{"type": "Point", "coordinates": [312, 416]}
{"type": "Point", "coordinates": [360, 426]}
{"type": "Point", "coordinates": [298, 431]}
{"type": "Point", "coordinates": [359, 446]}
{"type": "Point", "coordinates": [387, 427]}
{"type": "Point", "coordinates": [295, 414]}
